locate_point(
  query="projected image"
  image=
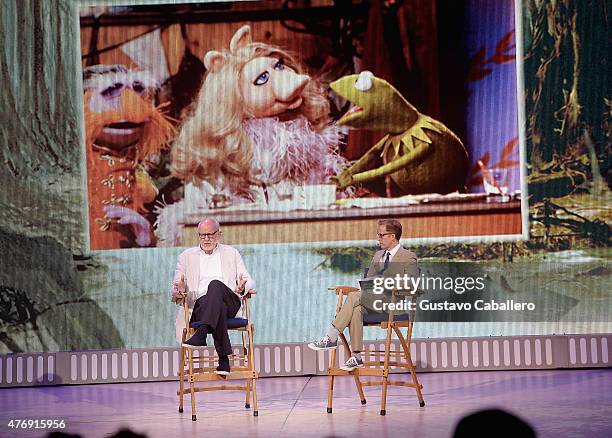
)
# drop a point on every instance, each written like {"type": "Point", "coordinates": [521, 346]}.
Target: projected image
{"type": "Point", "coordinates": [272, 124]}
{"type": "Point", "coordinates": [303, 214]}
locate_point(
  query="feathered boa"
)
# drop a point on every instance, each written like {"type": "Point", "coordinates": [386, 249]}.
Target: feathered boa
{"type": "Point", "coordinates": [284, 152]}
{"type": "Point", "coordinates": [292, 151]}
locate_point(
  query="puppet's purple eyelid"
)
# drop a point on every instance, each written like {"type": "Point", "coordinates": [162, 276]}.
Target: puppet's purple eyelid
{"type": "Point", "coordinates": [113, 91]}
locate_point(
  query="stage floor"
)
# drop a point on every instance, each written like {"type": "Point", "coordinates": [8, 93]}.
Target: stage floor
{"type": "Point", "coordinates": [575, 403]}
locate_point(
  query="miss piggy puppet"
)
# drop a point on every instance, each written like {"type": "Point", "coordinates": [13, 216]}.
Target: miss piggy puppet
{"type": "Point", "coordinates": [258, 127]}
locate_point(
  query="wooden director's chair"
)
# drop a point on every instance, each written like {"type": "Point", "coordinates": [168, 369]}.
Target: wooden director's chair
{"type": "Point", "coordinates": [200, 368]}
{"type": "Point", "coordinates": [386, 358]}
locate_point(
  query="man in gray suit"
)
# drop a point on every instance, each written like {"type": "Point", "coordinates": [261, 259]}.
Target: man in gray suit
{"type": "Point", "coordinates": [390, 261]}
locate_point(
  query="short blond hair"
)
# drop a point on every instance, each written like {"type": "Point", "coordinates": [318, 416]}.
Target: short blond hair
{"type": "Point", "coordinates": [392, 226]}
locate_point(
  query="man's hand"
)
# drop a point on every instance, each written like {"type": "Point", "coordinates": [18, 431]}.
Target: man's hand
{"type": "Point", "coordinates": [127, 216]}
{"type": "Point", "coordinates": [178, 289]}
{"type": "Point", "coordinates": [240, 284]}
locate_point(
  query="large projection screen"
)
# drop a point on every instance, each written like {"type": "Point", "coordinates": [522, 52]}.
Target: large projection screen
{"type": "Point", "coordinates": [169, 135]}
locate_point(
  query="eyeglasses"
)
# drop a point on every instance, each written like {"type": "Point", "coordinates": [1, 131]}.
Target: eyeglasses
{"type": "Point", "coordinates": [380, 236]}
{"type": "Point", "coordinates": [207, 235]}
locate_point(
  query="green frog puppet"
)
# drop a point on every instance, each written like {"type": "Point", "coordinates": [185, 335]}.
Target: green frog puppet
{"type": "Point", "coordinates": [418, 153]}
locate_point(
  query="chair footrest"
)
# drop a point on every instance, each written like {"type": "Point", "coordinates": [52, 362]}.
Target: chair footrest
{"type": "Point", "coordinates": [209, 369]}
{"type": "Point", "coordinates": [357, 371]}
{"type": "Point", "coordinates": [203, 369]}
{"type": "Point", "coordinates": [209, 359]}
{"type": "Point", "coordinates": [373, 352]}
{"type": "Point", "coordinates": [200, 370]}
{"type": "Point", "coordinates": [187, 391]}
{"type": "Point", "coordinates": [391, 383]}
{"type": "Point", "coordinates": [400, 383]}
{"type": "Point", "coordinates": [233, 375]}
{"type": "Point", "coordinates": [372, 363]}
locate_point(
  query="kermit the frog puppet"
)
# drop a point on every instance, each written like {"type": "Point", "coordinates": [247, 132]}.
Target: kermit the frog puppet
{"type": "Point", "coordinates": [418, 153]}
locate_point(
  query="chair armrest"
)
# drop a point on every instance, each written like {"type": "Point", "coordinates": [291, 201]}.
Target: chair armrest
{"type": "Point", "coordinates": [249, 294]}
{"type": "Point", "coordinates": [185, 312]}
{"type": "Point", "coordinates": [343, 289]}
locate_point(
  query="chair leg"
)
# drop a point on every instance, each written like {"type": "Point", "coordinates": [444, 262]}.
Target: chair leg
{"type": "Point", "coordinates": [330, 394]}
{"type": "Point", "coordinates": [255, 410]}
{"type": "Point", "coordinates": [411, 367]}
{"type": "Point", "coordinates": [359, 389]}
{"type": "Point", "coordinates": [383, 400]}
{"type": "Point", "coordinates": [349, 353]}
{"type": "Point", "coordinates": [330, 386]}
{"type": "Point", "coordinates": [415, 380]}
{"type": "Point", "coordinates": [192, 385]}
{"type": "Point", "coordinates": [385, 383]}
{"type": "Point", "coordinates": [181, 379]}
{"type": "Point", "coordinates": [247, 402]}
{"type": "Point", "coordinates": [417, 386]}
{"type": "Point", "coordinates": [246, 361]}
{"type": "Point", "coordinates": [253, 381]}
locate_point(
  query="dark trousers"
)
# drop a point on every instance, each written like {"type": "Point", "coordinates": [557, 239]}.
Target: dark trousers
{"type": "Point", "coordinates": [213, 309]}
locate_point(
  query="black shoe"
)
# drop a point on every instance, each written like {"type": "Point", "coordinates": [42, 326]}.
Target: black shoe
{"type": "Point", "coordinates": [198, 339]}
{"type": "Point", "coordinates": [224, 366]}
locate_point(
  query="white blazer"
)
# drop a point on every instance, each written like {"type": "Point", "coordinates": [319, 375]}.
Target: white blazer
{"type": "Point", "coordinates": [188, 265]}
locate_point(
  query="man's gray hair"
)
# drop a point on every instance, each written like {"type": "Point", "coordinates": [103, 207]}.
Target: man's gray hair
{"type": "Point", "coordinates": [210, 220]}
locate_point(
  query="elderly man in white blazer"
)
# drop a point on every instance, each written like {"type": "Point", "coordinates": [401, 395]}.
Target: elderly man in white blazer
{"type": "Point", "coordinates": [212, 277]}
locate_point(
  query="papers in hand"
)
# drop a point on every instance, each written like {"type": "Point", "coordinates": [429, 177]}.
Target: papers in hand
{"type": "Point", "coordinates": [367, 284]}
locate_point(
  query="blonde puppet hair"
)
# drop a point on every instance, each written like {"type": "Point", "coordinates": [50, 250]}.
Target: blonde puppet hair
{"type": "Point", "coordinates": [212, 144]}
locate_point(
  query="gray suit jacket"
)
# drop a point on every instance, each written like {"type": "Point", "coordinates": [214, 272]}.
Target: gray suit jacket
{"type": "Point", "coordinates": [403, 263]}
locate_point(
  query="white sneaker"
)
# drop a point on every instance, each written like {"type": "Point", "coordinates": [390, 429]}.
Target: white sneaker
{"type": "Point", "coordinates": [352, 363]}
{"type": "Point", "coordinates": [325, 343]}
